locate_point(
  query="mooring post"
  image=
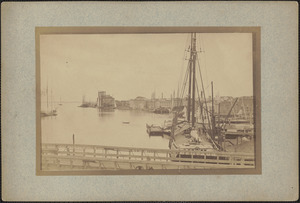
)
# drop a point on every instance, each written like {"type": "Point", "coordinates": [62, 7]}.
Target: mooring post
{"type": "Point", "coordinates": [73, 145]}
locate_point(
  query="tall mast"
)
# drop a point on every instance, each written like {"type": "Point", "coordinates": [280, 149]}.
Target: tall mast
{"type": "Point", "coordinates": [212, 111]}
{"type": "Point", "coordinates": [218, 131]}
{"type": "Point", "coordinates": [193, 52]}
{"type": "Point", "coordinates": [190, 81]}
{"type": "Point", "coordinates": [47, 95]}
{"type": "Point", "coordinates": [177, 98]}
{"type": "Point", "coordinates": [51, 101]}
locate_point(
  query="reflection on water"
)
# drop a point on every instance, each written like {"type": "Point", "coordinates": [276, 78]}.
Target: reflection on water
{"type": "Point", "coordinates": [91, 126]}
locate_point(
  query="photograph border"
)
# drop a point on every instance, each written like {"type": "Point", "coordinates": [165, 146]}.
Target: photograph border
{"type": "Point", "coordinates": [256, 51]}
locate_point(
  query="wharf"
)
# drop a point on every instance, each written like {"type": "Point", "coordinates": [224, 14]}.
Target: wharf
{"type": "Point", "coordinates": [59, 157]}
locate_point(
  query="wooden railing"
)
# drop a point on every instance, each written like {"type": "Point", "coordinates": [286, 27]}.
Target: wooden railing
{"type": "Point", "coordinates": [66, 156]}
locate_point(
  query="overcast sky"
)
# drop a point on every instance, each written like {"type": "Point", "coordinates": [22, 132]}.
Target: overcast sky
{"type": "Point", "coordinates": [131, 65]}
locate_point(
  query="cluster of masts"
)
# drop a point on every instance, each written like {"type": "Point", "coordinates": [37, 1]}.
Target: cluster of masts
{"type": "Point", "coordinates": [192, 83]}
{"type": "Point", "coordinates": [190, 79]}
{"type": "Point", "coordinates": [52, 111]}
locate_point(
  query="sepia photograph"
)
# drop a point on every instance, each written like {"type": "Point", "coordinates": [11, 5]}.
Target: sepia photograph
{"type": "Point", "coordinates": [185, 101]}
{"type": "Point", "coordinates": [149, 101]}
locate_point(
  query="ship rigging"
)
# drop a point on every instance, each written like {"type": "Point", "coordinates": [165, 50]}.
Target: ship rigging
{"type": "Point", "coordinates": [187, 133]}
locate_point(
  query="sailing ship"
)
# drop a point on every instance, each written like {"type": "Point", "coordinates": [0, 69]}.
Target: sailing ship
{"type": "Point", "coordinates": [86, 104]}
{"type": "Point", "coordinates": [60, 102]}
{"type": "Point", "coordinates": [52, 111]}
{"type": "Point", "coordinates": [161, 110]}
{"type": "Point", "coordinates": [186, 133]}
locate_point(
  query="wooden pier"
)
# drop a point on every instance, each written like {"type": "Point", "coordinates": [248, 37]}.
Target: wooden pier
{"type": "Point", "coordinates": [93, 157]}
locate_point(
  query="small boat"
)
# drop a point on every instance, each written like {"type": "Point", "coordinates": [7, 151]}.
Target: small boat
{"type": "Point", "coordinates": [161, 110]}
{"type": "Point", "coordinates": [84, 105]}
{"type": "Point", "coordinates": [60, 102]}
{"type": "Point", "coordinates": [51, 113]}
{"type": "Point", "coordinates": [154, 130]}
{"type": "Point", "coordinates": [126, 122]}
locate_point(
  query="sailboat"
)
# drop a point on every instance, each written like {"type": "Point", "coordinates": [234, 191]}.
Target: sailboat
{"type": "Point", "coordinates": [60, 102]}
{"type": "Point", "coordinates": [84, 103]}
{"type": "Point", "coordinates": [186, 133]}
{"type": "Point", "coordinates": [52, 111]}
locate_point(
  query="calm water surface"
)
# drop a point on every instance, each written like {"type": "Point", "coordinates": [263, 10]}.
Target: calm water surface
{"type": "Point", "coordinates": [102, 128]}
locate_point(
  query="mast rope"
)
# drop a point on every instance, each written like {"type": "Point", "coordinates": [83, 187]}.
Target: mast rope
{"type": "Point", "coordinates": [184, 85]}
{"type": "Point", "coordinates": [197, 59]}
{"type": "Point", "coordinates": [181, 79]}
{"type": "Point", "coordinates": [201, 45]}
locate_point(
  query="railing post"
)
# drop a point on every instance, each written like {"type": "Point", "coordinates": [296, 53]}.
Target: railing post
{"type": "Point", "coordinates": [167, 159]}
{"type": "Point", "coordinates": [56, 147]}
{"type": "Point", "coordinates": [142, 154]}
{"type": "Point", "coordinates": [57, 162]}
{"type": "Point", "coordinates": [192, 154]}
{"type": "Point", "coordinates": [94, 151]}
{"type": "Point", "coordinates": [129, 153]}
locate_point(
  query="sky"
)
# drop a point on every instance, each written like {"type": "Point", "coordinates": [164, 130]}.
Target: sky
{"type": "Point", "coordinates": [131, 65]}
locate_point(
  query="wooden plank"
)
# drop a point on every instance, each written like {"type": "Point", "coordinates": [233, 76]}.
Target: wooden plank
{"type": "Point", "coordinates": [159, 156]}
{"type": "Point", "coordinates": [114, 148]}
{"type": "Point", "coordinates": [163, 165]}
{"type": "Point", "coordinates": [178, 160]}
{"type": "Point", "coordinates": [154, 156]}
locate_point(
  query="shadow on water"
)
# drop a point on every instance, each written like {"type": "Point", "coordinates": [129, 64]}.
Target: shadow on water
{"type": "Point", "coordinates": [138, 113]}
{"type": "Point", "coordinates": [106, 112]}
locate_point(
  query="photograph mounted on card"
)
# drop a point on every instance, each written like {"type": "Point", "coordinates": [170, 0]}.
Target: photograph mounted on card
{"type": "Point", "coordinates": [148, 100]}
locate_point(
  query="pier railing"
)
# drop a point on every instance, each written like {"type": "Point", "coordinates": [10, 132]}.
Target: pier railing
{"type": "Point", "coordinates": [68, 156]}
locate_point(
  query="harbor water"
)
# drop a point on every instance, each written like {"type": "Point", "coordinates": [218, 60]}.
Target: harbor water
{"type": "Point", "coordinates": [123, 128]}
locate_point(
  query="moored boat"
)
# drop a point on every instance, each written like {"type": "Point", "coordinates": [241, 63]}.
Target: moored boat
{"type": "Point", "coordinates": [154, 130]}
{"type": "Point", "coordinates": [187, 135]}
{"type": "Point", "coordinates": [161, 110]}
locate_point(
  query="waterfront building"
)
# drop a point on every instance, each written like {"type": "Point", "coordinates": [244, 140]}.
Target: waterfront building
{"type": "Point", "coordinates": [180, 102]}
{"type": "Point", "coordinates": [105, 101]}
{"type": "Point", "coordinates": [160, 103]}
{"type": "Point", "coordinates": [151, 104]}
{"type": "Point", "coordinates": [123, 104]}
{"type": "Point", "coordinates": [242, 109]}
{"type": "Point", "coordinates": [139, 103]}
{"type": "Point", "coordinates": [164, 103]}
